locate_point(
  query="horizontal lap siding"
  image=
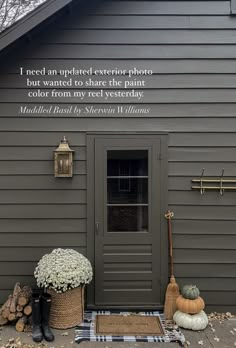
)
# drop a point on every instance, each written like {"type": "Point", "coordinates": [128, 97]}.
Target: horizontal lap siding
{"type": "Point", "coordinates": [165, 8]}
{"type": "Point", "coordinates": [41, 182]}
{"type": "Point", "coordinates": [190, 46]}
{"type": "Point", "coordinates": [167, 111]}
{"type": "Point", "coordinates": [22, 167]}
{"type": "Point", "coordinates": [190, 51]}
{"type": "Point", "coordinates": [145, 37]}
{"type": "Point", "coordinates": [156, 81]}
{"type": "Point", "coordinates": [158, 66]}
{"type": "Point", "coordinates": [157, 96]}
{"type": "Point", "coordinates": [37, 212]}
{"type": "Point", "coordinates": [151, 21]}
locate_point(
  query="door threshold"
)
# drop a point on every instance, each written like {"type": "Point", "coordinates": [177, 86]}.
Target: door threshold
{"type": "Point", "coordinates": [125, 308]}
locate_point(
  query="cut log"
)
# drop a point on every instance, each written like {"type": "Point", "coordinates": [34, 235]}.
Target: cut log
{"type": "Point", "coordinates": [16, 293]}
{"type": "Point", "coordinates": [7, 303]}
{"type": "Point", "coordinates": [12, 317]}
{"type": "Point", "coordinates": [20, 325]}
{"type": "Point", "coordinates": [19, 308]}
{"type": "Point", "coordinates": [3, 321]}
{"type": "Point", "coordinates": [27, 310]}
{"type": "Point", "coordinates": [24, 296]}
{"type": "Point", "coordinates": [23, 301]}
{"type": "Point", "coordinates": [19, 314]}
{"type": "Point", "coordinates": [5, 310]}
{"type": "Point", "coordinates": [5, 313]}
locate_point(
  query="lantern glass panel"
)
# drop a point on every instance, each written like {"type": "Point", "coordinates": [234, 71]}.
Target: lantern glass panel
{"type": "Point", "coordinates": [63, 163]}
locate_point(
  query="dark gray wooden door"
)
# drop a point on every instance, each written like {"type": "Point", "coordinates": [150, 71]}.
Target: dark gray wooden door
{"type": "Point", "coordinates": [127, 221]}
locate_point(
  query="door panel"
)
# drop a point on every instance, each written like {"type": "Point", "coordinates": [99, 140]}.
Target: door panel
{"type": "Point", "coordinates": [127, 221]}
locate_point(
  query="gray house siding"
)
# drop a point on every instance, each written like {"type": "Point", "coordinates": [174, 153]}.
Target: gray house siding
{"type": "Point", "coordinates": [190, 46]}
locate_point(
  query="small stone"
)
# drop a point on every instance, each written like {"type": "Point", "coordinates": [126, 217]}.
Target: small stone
{"type": "Point", "coordinates": [216, 339]}
{"type": "Point", "coordinates": [188, 343]}
{"type": "Point", "coordinates": [200, 342]}
{"type": "Point", "coordinates": [64, 333]}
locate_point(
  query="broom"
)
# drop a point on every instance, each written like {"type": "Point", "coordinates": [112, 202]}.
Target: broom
{"type": "Point", "coordinates": [172, 291]}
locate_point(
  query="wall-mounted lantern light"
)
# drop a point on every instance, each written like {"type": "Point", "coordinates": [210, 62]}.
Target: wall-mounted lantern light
{"type": "Point", "coordinates": [63, 160]}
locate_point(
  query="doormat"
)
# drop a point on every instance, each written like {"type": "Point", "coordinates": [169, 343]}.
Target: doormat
{"type": "Point", "coordinates": [86, 331]}
{"type": "Point", "coordinates": [129, 325]}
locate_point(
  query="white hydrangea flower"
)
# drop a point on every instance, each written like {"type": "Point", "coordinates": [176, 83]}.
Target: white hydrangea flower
{"type": "Point", "coordinates": [63, 269]}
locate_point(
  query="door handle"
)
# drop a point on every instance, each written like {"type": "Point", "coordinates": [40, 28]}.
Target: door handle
{"type": "Point", "coordinates": [97, 228]}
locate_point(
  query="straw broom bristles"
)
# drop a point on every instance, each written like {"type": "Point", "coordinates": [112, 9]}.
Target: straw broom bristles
{"type": "Point", "coordinates": [172, 291]}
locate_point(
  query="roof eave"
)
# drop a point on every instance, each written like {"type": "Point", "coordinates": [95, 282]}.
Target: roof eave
{"type": "Point", "coordinates": [30, 21]}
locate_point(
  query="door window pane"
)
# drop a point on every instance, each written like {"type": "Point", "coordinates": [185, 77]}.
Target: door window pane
{"type": "Point", "coordinates": [127, 218]}
{"type": "Point", "coordinates": [132, 190]}
{"type": "Point", "coordinates": [127, 163]}
{"type": "Point", "coordinates": [127, 191]}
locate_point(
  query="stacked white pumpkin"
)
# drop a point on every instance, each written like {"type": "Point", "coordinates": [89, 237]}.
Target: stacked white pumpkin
{"type": "Point", "coordinates": [190, 313]}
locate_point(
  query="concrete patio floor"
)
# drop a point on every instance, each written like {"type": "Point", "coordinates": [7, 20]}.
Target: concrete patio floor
{"type": "Point", "coordinates": [217, 335]}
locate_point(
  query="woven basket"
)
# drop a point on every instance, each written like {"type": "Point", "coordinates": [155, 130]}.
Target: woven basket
{"type": "Point", "coordinates": [67, 309]}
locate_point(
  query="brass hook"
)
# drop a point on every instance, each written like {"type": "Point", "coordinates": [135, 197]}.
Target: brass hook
{"type": "Point", "coordinates": [221, 182]}
{"type": "Point", "coordinates": [202, 189]}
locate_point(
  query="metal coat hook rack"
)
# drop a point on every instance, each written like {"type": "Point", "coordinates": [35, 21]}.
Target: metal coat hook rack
{"type": "Point", "coordinates": [202, 189]}
{"type": "Point", "coordinates": [207, 183]}
{"type": "Point", "coordinates": [221, 182]}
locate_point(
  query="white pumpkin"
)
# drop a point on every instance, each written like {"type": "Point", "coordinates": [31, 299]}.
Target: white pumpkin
{"type": "Point", "coordinates": [191, 321]}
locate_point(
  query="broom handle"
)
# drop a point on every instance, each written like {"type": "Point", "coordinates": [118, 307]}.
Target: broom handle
{"type": "Point", "coordinates": [168, 216]}
{"type": "Point", "coordinates": [171, 248]}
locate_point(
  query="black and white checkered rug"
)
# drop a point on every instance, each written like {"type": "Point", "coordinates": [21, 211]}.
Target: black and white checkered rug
{"type": "Point", "coordinates": [86, 330]}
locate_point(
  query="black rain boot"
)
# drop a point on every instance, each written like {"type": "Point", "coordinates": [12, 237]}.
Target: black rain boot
{"type": "Point", "coordinates": [45, 310]}
{"type": "Point", "coordinates": [36, 318]}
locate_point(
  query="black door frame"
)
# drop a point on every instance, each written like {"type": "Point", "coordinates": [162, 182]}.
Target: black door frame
{"type": "Point", "coordinates": [91, 136]}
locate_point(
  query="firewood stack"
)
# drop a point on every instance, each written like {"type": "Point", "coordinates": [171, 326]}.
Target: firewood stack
{"type": "Point", "coordinates": [17, 308]}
